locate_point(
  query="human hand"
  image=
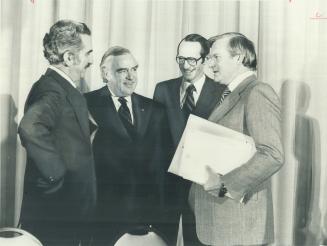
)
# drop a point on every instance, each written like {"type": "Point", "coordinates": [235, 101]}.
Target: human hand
{"type": "Point", "coordinates": [213, 183]}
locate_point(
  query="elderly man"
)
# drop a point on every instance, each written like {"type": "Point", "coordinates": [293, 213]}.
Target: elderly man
{"type": "Point", "coordinates": [59, 189]}
{"type": "Point", "coordinates": [236, 208]}
{"type": "Point", "coordinates": [192, 93]}
{"type": "Point", "coordinates": [129, 150]}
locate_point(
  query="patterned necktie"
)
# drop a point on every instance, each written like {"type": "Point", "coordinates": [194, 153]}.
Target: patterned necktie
{"type": "Point", "coordinates": [189, 103]}
{"type": "Point", "coordinates": [225, 94]}
{"type": "Point", "coordinates": [124, 113]}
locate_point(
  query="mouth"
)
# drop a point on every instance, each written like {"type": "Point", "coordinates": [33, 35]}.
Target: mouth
{"type": "Point", "coordinates": [188, 71]}
{"type": "Point", "coordinates": [88, 65]}
{"type": "Point", "coordinates": [129, 84]}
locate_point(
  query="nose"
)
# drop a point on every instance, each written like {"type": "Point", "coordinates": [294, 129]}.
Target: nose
{"type": "Point", "coordinates": [186, 65]}
{"type": "Point", "coordinates": [91, 58]}
{"type": "Point", "coordinates": [211, 63]}
{"type": "Point", "coordinates": [130, 74]}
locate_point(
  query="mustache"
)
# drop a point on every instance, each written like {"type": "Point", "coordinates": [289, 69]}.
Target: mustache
{"type": "Point", "coordinates": [87, 65]}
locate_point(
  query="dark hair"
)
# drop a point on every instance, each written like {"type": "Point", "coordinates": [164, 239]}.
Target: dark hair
{"type": "Point", "coordinates": [205, 47]}
{"type": "Point", "coordinates": [63, 36]}
{"type": "Point", "coordinates": [112, 51]}
{"type": "Point", "coordinates": [239, 45]}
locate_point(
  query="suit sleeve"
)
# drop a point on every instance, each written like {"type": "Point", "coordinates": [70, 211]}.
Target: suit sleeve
{"type": "Point", "coordinates": [37, 131]}
{"type": "Point", "coordinates": [263, 123]}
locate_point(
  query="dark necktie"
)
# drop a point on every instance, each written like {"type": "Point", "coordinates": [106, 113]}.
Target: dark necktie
{"type": "Point", "coordinates": [189, 103]}
{"type": "Point", "coordinates": [125, 114]}
{"type": "Point", "coordinates": [224, 95]}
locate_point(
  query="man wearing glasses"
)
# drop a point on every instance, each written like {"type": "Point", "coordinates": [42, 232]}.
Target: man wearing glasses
{"type": "Point", "coordinates": [192, 93]}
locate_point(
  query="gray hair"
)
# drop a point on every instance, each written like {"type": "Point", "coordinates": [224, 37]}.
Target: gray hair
{"type": "Point", "coordinates": [112, 51]}
{"type": "Point", "coordinates": [239, 45]}
{"type": "Point", "coordinates": [63, 36]}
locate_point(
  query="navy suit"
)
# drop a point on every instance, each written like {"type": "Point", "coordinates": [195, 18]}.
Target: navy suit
{"type": "Point", "coordinates": [59, 186]}
{"type": "Point", "coordinates": [130, 167]}
{"type": "Point", "coordinates": [177, 189]}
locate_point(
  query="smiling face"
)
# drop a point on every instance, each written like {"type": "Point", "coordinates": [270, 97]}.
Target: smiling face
{"type": "Point", "coordinates": [189, 49]}
{"type": "Point", "coordinates": [121, 74]}
{"type": "Point", "coordinates": [224, 66]}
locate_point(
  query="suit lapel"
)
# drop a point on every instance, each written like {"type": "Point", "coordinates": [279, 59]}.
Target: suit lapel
{"type": "Point", "coordinates": [141, 113]}
{"type": "Point", "coordinates": [208, 98]}
{"type": "Point", "coordinates": [77, 101]}
{"type": "Point", "coordinates": [176, 117]}
{"type": "Point", "coordinates": [221, 110]}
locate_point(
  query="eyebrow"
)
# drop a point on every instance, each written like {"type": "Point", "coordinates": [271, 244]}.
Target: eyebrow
{"type": "Point", "coordinates": [90, 51]}
{"type": "Point", "coordinates": [125, 68]}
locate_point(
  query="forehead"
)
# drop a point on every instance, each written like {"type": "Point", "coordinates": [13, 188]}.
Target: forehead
{"type": "Point", "coordinates": [122, 61]}
{"type": "Point", "coordinates": [220, 46]}
{"type": "Point", "coordinates": [189, 49]}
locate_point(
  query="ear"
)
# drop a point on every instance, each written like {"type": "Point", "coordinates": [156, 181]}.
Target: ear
{"type": "Point", "coordinates": [105, 73]}
{"type": "Point", "coordinates": [69, 59]}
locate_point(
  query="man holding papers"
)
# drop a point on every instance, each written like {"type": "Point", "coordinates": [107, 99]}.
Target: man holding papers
{"type": "Point", "coordinates": [236, 208]}
{"type": "Point", "coordinates": [192, 93]}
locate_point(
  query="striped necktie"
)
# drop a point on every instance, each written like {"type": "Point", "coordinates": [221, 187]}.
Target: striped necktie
{"type": "Point", "coordinates": [225, 94]}
{"type": "Point", "coordinates": [123, 111]}
{"type": "Point", "coordinates": [189, 103]}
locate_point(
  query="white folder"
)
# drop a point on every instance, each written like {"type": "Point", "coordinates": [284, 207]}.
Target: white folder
{"type": "Point", "coordinates": [205, 143]}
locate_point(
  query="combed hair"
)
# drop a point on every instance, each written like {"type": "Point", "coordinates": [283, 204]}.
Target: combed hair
{"type": "Point", "coordinates": [63, 36]}
{"type": "Point", "coordinates": [239, 45]}
{"type": "Point", "coordinates": [194, 37]}
{"type": "Point", "coordinates": [112, 51]}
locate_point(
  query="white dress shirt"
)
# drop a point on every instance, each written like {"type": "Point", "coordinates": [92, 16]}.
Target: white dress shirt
{"type": "Point", "coordinates": [62, 74]}
{"type": "Point", "coordinates": [235, 82]}
{"type": "Point", "coordinates": [118, 104]}
{"type": "Point", "coordinates": [198, 84]}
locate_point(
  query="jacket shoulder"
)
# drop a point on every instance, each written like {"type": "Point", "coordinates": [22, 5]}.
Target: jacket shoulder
{"type": "Point", "coordinates": [168, 82]}
{"type": "Point", "coordinates": [95, 94]}
{"type": "Point", "coordinates": [150, 102]}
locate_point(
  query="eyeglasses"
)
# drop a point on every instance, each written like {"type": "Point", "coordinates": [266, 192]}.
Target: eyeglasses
{"type": "Point", "coordinates": [190, 60]}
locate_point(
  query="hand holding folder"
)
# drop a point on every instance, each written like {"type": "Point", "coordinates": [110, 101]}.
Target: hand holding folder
{"type": "Point", "coordinates": [205, 143]}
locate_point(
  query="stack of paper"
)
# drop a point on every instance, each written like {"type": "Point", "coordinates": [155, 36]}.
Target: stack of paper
{"type": "Point", "coordinates": [205, 143]}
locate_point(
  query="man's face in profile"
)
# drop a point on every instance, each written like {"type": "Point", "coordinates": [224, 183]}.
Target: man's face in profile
{"type": "Point", "coordinates": [83, 58]}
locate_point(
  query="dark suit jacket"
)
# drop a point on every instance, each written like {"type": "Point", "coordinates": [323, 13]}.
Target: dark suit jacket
{"type": "Point", "coordinates": [60, 181]}
{"type": "Point", "coordinates": [168, 94]}
{"type": "Point", "coordinates": [129, 169]}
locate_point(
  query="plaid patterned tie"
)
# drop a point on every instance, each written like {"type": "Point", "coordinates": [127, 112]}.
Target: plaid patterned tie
{"type": "Point", "coordinates": [189, 103]}
{"type": "Point", "coordinates": [225, 94]}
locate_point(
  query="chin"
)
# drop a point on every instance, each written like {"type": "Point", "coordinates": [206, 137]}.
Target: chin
{"type": "Point", "coordinates": [217, 78]}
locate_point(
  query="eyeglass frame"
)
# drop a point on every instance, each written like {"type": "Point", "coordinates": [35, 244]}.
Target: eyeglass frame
{"type": "Point", "coordinates": [188, 59]}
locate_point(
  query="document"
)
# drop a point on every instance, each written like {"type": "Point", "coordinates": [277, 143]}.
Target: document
{"type": "Point", "coordinates": [205, 143]}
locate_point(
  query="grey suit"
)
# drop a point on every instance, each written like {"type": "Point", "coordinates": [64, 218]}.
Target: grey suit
{"type": "Point", "coordinates": [252, 108]}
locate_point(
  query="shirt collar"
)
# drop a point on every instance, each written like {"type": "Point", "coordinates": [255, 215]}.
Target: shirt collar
{"type": "Point", "coordinates": [128, 98]}
{"type": "Point", "coordinates": [235, 82]}
{"type": "Point", "coordinates": [198, 84]}
{"type": "Point", "coordinates": [62, 74]}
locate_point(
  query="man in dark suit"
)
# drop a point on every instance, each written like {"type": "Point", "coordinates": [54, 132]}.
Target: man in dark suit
{"type": "Point", "coordinates": [59, 188]}
{"type": "Point", "coordinates": [129, 150]}
{"type": "Point", "coordinates": [194, 93]}
{"type": "Point", "coordinates": [237, 208]}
